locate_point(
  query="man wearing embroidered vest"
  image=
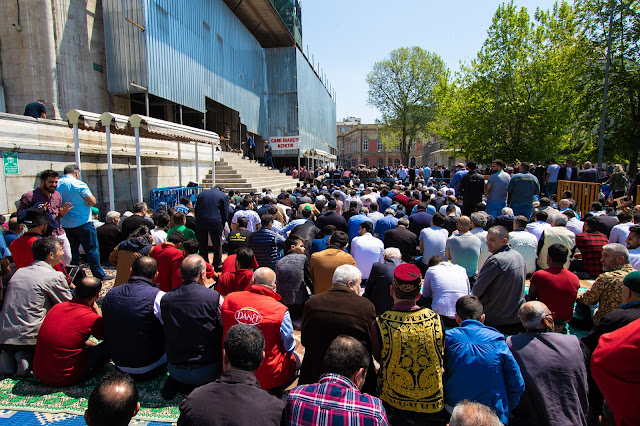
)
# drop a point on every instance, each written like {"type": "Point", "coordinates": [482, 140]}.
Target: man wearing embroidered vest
{"type": "Point", "coordinates": [408, 341]}
{"type": "Point", "coordinates": [260, 305]}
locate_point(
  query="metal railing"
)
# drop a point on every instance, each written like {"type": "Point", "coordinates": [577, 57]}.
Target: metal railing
{"type": "Point", "coordinates": [171, 195]}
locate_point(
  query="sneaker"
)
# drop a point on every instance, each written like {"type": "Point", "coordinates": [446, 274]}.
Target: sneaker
{"type": "Point", "coordinates": [170, 388]}
{"type": "Point", "coordinates": [108, 277]}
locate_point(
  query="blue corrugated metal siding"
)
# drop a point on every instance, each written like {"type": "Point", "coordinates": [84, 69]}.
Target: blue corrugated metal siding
{"type": "Point", "coordinates": [282, 100]}
{"type": "Point", "coordinates": [316, 109]}
{"type": "Point", "coordinates": [125, 45]}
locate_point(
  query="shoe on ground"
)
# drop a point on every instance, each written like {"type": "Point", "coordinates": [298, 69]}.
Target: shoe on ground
{"type": "Point", "coordinates": [108, 277]}
{"type": "Point", "coordinates": [170, 388]}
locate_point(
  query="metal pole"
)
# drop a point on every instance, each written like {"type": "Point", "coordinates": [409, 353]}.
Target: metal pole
{"type": "Point", "coordinates": [213, 165]}
{"type": "Point", "coordinates": [179, 165]}
{"type": "Point", "coordinates": [136, 132]}
{"type": "Point", "coordinates": [197, 163]}
{"type": "Point", "coordinates": [76, 143]}
{"type": "Point", "coordinates": [112, 203]}
{"type": "Point", "coordinates": [298, 158]}
{"type": "Point", "coordinates": [146, 102]}
{"type": "Point", "coordinates": [606, 90]}
{"type": "Point", "coordinates": [181, 115]}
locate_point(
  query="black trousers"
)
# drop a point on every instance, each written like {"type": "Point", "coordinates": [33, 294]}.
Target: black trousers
{"type": "Point", "coordinates": [203, 233]}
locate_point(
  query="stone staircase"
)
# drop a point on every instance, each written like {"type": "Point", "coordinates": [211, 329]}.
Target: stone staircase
{"type": "Point", "coordinates": [244, 176]}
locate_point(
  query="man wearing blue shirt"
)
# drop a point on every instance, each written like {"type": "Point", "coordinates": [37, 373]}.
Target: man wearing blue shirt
{"type": "Point", "coordinates": [457, 177]}
{"type": "Point", "coordinates": [479, 365]}
{"type": "Point", "coordinates": [496, 189]}
{"type": "Point", "coordinates": [523, 187]}
{"type": "Point", "coordinates": [77, 222]}
{"type": "Point", "coordinates": [251, 146]}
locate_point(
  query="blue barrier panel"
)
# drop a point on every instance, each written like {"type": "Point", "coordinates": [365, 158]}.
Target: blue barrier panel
{"type": "Point", "coordinates": [171, 195]}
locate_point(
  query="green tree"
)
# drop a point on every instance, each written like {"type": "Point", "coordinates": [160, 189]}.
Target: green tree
{"type": "Point", "coordinates": [403, 88]}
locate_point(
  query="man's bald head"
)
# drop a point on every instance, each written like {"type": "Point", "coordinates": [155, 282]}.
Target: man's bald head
{"type": "Point", "coordinates": [265, 277]}
{"type": "Point", "coordinates": [464, 224]}
{"type": "Point", "coordinates": [113, 402]}
{"type": "Point", "coordinates": [192, 267]}
{"type": "Point", "coordinates": [473, 414]}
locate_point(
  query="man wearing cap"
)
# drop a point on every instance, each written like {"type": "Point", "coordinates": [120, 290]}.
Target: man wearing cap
{"type": "Point", "coordinates": [408, 342]}
{"type": "Point", "coordinates": [37, 222]}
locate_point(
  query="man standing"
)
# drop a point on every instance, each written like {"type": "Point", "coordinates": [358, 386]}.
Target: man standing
{"type": "Point", "coordinates": [589, 174]}
{"type": "Point", "coordinates": [237, 394]}
{"type": "Point", "coordinates": [551, 178]}
{"type": "Point", "coordinates": [323, 264]}
{"type": "Point", "coordinates": [457, 177]}
{"type": "Point", "coordinates": [31, 293]}
{"type": "Point", "coordinates": [266, 243]}
{"type": "Point", "coordinates": [337, 399]}
{"type": "Point", "coordinates": [366, 250]}
{"type": "Point", "coordinates": [212, 211]}
{"type": "Point", "coordinates": [479, 365]}
{"type": "Point", "coordinates": [408, 341]}
{"type": "Point", "coordinates": [606, 291]}
{"type": "Point", "coordinates": [133, 322]}
{"type": "Point", "coordinates": [251, 148]}
{"type": "Point", "coordinates": [46, 196]}
{"type": "Point", "coordinates": [268, 155]}
{"type": "Point", "coordinates": [471, 189]}
{"type": "Point", "coordinates": [496, 188]}
{"type": "Point", "coordinates": [77, 222]}
{"type": "Point", "coordinates": [464, 248]}
{"type": "Point", "coordinates": [193, 330]}
{"type": "Point", "coordinates": [338, 311]}
{"type": "Point", "coordinates": [260, 306]}
{"type": "Point", "coordinates": [500, 283]}
{"type": "Point", "coordinates": [36, 109]}
{"type": "Point", "coordinates": [403, 239]}
{"type": "Point", "coordinates": [568, 172]}
{"type": "Point", "coordinates": [522, 187]}
{"type": "Point", "coordinates": [554, 372]}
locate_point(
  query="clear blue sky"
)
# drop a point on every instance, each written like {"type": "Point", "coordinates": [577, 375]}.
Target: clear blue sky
{"type": "Point", "coordinates": [347, 37]}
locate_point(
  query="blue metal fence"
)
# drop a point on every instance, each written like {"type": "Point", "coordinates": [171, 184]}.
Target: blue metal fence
{"type": "Point", "coordinates": [171, 195]}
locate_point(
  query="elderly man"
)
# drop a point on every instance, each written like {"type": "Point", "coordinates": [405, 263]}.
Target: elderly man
{"type": "Point", "coordinates": [109, 235]}
{"type": "Point", "coordinates": [557, 234]}
{"type": "Point", "coordinates": [32, 291]}
{"type": "Point", "coordinates": [464, 248]}
{"type": "Point", "coordinates": [193, 330]}
{"type": "Point", "coordinates": [478, 223]}
{"type": "Point", "coordinates": [340, 310]}
{"type": "Point", "coordinates": [366, 250]}
{"type": "Point", "coordinates": [500, 283]}
{"type": "Point", "coordinates": [345, 364]}
{"type": "Point", "coordinates": [606, 291]}
{"type": "Point", "coordinates": [554, 371]}
{"type": "Point", "coordinates": [113, 401]}
{"type": "Point", "coordinates": [479, 365]}
{"type": "Point", "coordinates": [380, 279]}
{"type": "Point", "coordinates": [408, 342]}
{"type": "Point", "coordinates": [473, 414]}
{"type": "Point", "coordinates": [237, 394]}
{"type": "Point", "coordinates": [524, 243]}
{"type": "Point", "coordinates": [259, 305]}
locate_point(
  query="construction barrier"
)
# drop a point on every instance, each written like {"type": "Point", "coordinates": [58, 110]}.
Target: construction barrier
{"type": "Point", "coordinates": [584, 193]}
{"type": "Point", "coordinates": [171, 195]}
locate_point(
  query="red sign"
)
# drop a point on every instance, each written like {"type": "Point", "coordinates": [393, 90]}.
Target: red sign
{"type": "Point", "coordinates": [284, 142]}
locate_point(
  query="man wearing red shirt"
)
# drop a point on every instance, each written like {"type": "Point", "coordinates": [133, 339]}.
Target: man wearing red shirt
{"type": "Point", "coordinates": [239, 279]}
{"type": "Point", "coordinates": [555, 286]}
{"type": "Point", "coordinates": [63, 354]}
{"type": "Point", "coordinates": [37, 222]}
{"type": "Point", "coordinates": [590, 243]}
{"type": "Point", "coordinates": [169, 258]}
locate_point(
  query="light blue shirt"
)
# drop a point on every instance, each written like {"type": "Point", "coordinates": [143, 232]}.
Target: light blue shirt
{"type": "Point", "coordinates": [286, 333]}
{"type": "Point", "coordinates": [499, 183]}
{"type": "Point", "coordinates": [553, 170]}
{"type": "Point", "coordinates": [73, 191]}
{"type": "Point", "coordinates": [465, 251]}
{"type": "Point", "coordinates": [292, 225]}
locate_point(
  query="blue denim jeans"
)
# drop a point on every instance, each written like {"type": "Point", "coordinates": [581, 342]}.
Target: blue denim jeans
{"type": "Point", "coordinates": [522, 209]}
{"type": "Point", "coordinates": [494, 208]}
{"type": "Point", "coordinates": [550, 188]}
{"type": "Point", "coordinates": [87, 236]}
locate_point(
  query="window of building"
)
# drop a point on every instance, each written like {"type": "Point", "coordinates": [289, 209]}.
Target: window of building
{"type": "Point", "coordinates": [365, 144]}
{"type": "Point", "coordinates": [365, 160]}
{"type": "Point", "coordinates": [379, 144]}
{"type": "Point", "coordinates": [389, 162]}
{"type": "Point", "coordinates": [396, 162]}
{"type": "Point", "coordinates": [380, 162]}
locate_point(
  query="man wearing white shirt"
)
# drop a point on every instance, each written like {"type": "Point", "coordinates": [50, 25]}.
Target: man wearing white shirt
{"type": "Point", "coordinates": [538, 227]}
{"type": "Point", "coordinates": [524, 243]}
{"type": "Point", "coordinates": [620, 232]}
{"type": "Point", "coordinates": [366, 250]}
{"type": "Point", "coordinates": [573, 224]}
{"type": "Point", "coordinates": [633, 245]}
{"type": "Point", "coordinates": [375, 214]}
{"type": "Point", "coordinates": [445, 283]}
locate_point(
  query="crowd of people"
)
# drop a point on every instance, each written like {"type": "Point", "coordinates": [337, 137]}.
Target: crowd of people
{"type": "Point", "coordinates": [409, 292]}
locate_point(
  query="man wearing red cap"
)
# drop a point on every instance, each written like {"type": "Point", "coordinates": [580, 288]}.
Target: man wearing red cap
{"type": "Point", "coordinates": [408, 341]}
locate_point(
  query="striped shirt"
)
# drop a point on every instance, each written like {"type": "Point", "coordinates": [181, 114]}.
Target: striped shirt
{"type": "Point", "coordinates": [335, 400]}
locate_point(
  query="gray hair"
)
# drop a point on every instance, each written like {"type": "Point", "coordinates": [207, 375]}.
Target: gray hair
{"type": "Point", "coordinates": [70, 169]}
{"type": "Point", "coordinates": [532, 313]}
{"type": "Point", "coordinates": [111, 215]}
{"type": "Point", "coordinates": [507, 210]}
{"type": "Point", "coordinates": [560, 220]}
{"type": "Point", "coordinates": [404, 221]}
{"type": "Point", "coordinates": [500, 231]}
{"type": "Point", "coordinates": [473, 414]}
{"type": "Point", "coordinates": [389, 211]}
{"type": "Point", "coordinates": [345, 273]}
{"type": "Point", "coordinates": [617, 249]}
{"type": "Point", "coordinates": [265, 277]}
{"type": "Point", "coordinates": [391, 252]}
{"type": "Point", "coordinates": [191, 267]}
{"type": "Point", "coordinates": [479, 219]}
{"type": "Point", "coordinates": [364, 210]}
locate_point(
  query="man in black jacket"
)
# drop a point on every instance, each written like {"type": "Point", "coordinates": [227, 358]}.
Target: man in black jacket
{"type": "Point", "coordinates": [568, 172]}
{"type": "Point", "coordinates": [237, 394]}
{"type": "Point", "coordinates": [471, 189]}
{"type": "Point", "coordinates": [212, 210]}
{"type": "Point", "coordinates": [380, 280]}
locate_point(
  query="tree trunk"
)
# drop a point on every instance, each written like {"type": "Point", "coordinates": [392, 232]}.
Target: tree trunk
{"type": "Point", "coordinates": [404, 148]}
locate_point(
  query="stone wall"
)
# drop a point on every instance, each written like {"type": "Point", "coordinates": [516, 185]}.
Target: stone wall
{"type": "Point", "coordinates": [48, 144]}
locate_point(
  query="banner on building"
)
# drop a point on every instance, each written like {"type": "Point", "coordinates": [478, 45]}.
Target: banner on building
{"type": "Point", "coordinates": [284, 143]}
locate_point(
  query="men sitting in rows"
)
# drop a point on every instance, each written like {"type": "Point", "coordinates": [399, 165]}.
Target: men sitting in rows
{"type": "Point", "coordinates": [345, 370]}
{"type": "Point", "coordinates": [240, 278]}
{"type": "Point", "coordinates": [479, 365]}
{"type": "Point", "coordinates": [259, 305]}
{"type": "Point", "coordinates": [31, 293]}
{"type": "Point", "coordinates": [109, 235]}
{"type": "Point", "coordinates": [606, 291]}
{"type": "Point", "coordinates": [403, 338]}
{"type": "Point", "coordinates": [192, 329]}
{"type": "Point", "coordinates": [133, 324]}
{"type": "Point", "coordinates": [557, 234]}
{"type": "Point", "coordinates": [169, 256]}
{"type": "Point", "coordinates": [524, 243]}
{"type": "Point", "coordinates": [444, 283]}
{"type": "Point", "coordinates": [113, 402]}
{"type": "Point", "coordinates": [590, 243]}
{"type": "Point", "coordinates": [138, 244]}
{"type": "Point", "coordinates": [266, 243]}
{"type": "Point", "coordinates": [555, 286]}
{"type": "Point", "coordinates": [554, 371]}
{"type": "Point", "coordinates": [323, 264]}
{"type": "Point", "coordinates": [380, 279]}
{"type": "Point", "coordinates": [293, 276]}
{"type": "Point", "coordinates": [64, 354]}
{"type": "Point", "coordinates": [236, 397]}
{"type": "Point", "coordinates": [500, 283]}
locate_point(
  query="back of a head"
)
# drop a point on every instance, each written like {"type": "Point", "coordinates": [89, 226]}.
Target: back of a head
{"type": "Point", "coordinates": [435, 260]}
{"type": "Point", "coordinates": [346, 273]}
{"type": "Point", "coordinates": [191, 268]}
{"type": "Point", "coordinates": [176, 237]}
{"type": "Point", "coordinates": [469, 307]}
{"type": "Point", "coordinates": [88, 288]}
{"type": "Point", "coordinates": [264, 276]}
{"type": "Point", "coordinates": [521, 221]}
{"type": "Point", "coordinates": [145, 266]}
{"type": "Point", "coordinates": [114, 401]}
{"type": "Point", "coordinates": [244, 347]}
{"type": "Point", "coordinates": [244, 257]}
{"type": "Point", "coordinates": [468, 413]}
{"type": "Point", "coordinates": [542, 216]}
{"type": "Point", "coordinates": [439, 219]}
{"type": "Point", "coordinates": [558, 253]}
{"type": "Point", "coordinates": [190, 247]}
{"type": "Point", "coordinates": [185, 201]}
{"type": "Point", "coordinates": [242, 222]}
{"type": "Point", "coordinates": [479, 220]}
{"type": "Point", "coordinates": [531, 314]}
{"type": "Point", "coordinates": [451, 208]}
{"type": "Point", "coordinates": [345, 356]}
{"type": "Point", "coordinates": [179, 218]}
{"type": "Point", "coordinates": [139, 207]}
{"type": "Point", "coordinates": [71, 169]}
{"type": "Point", "coordinates": [266, 220]}
{"type": "Point", "coordinates": [339, 239]}
{"type": "Point", "coordinates": [593, 223]}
